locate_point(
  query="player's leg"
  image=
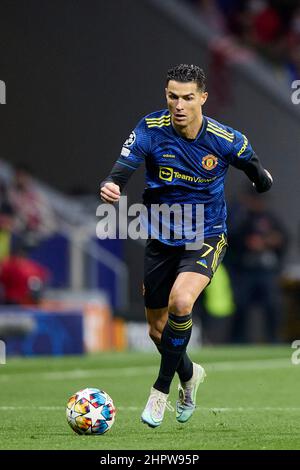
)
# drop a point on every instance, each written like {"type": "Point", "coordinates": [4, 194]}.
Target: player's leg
{"type": "Point", "coordinates": [205, 262]}
{"type": "Point", "coordinates": [160, 267]}
{"type": "Point", "coordinates": [195, 269]}
{"type": "Point", "coordinates": [174, 339]}
{"type": "Point", "coordinates": [189, 384]}
{"type": "Point", "coordinates": [157, 319]}
{"type": "Point", "coordinates": [177, 331]}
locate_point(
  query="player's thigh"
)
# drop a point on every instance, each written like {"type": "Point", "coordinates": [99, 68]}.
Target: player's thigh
{"type": "Point", "coordinates": [160, 266]}
{"type": "Point", "coordinates": [195, 271]}
{"type": "Point", "coordinates": [185, 291]}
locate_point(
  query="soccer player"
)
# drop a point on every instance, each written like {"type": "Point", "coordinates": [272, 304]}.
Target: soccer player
{"type": "Point", "coordinates": [186, 155]}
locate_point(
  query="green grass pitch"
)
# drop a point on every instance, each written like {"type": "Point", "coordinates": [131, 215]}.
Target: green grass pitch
{"type": "Point", "coordinates": [249, 400]}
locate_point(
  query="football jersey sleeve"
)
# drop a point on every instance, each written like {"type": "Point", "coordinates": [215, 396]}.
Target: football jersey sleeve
{"type": "Point", "coordinates": [241, 149]}
{"type": "Point", "coordinates": [133, 153]}
{"type": "Point", "coordinates": [136, 147]}
{"type": "Point", "coordinates": [244, 158]}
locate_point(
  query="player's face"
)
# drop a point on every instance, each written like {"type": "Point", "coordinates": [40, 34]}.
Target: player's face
{"type": "Point", "coordinates": [184, 102]}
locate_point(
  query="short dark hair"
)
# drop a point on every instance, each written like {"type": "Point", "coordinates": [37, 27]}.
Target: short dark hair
{"type": "Point", "coordinates": [187, 73]}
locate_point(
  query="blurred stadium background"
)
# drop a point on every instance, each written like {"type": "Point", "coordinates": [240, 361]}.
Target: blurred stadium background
{"type": "Point", "coordinates": [79, 75]}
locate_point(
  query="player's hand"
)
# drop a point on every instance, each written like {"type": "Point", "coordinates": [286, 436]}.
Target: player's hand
{"type": "Point", "coordinates": [269, 177]}
{"type": "Point", "coordinates": [110, 192]}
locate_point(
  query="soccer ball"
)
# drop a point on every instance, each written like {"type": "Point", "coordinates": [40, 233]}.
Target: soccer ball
{"type": "Point", "coordinates": [90, 411]}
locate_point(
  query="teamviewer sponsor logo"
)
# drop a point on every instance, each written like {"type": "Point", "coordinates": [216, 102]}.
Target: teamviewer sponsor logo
{"type": "Point", "coordinates": [2, 352]}
{"type": "Point", "coordinates": [166, 173]}
{"type": "Point", "coordinates": [2, 92]}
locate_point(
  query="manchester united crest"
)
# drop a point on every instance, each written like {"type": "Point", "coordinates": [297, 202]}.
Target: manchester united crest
{"type": "Point", "coordinates": [209, 162]}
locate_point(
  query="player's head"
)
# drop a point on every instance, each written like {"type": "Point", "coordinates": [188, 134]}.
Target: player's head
{"type": "Point", "coordinates": [185, 93]}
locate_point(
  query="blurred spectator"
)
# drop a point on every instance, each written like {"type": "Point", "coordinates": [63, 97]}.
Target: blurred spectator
{"type": "Point", "coordinates": [6, 222]}
{"type": "Point", "coordinates": [257, 244]}
{"type": "Point", "coordinates": [216, 309]}
{"type": "Point", "coordinates": [293, 63]}
{"type": "Point", "coordinates": [271, 27]}
{"type": "Point", "coordinates": [34, 217]}
{"type": "Point", "coordinates": [22, 280]}
{"type": "Point", "coordinates": [293, 48]}
{"type": "Point", "coordinates": [212, 15]}
{"type": "Point", "coordinates": [263, 23]}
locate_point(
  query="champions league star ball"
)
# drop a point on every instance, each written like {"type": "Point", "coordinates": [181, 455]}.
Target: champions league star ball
{"type": "Point", "coordinates": [90, 411]}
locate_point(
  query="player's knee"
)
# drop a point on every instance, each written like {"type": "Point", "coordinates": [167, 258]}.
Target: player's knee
{"type": "Point", "coordinates": [181, 303]}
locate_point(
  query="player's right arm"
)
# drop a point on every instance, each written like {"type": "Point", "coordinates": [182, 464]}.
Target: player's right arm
{"type": "Point", "coordinates": [133, 153]}
{"type": "Point", "coordinates": [244, 158]}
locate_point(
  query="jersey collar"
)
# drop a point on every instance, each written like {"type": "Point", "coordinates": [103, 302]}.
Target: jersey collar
{"type": "Point", "coordinates": [200, 133]}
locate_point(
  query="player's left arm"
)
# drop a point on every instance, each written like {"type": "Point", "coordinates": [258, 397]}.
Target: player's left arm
{"type": "Point", "coordinates": [244, 158]}
{"type": "Point", "coordinates": [134, 151]}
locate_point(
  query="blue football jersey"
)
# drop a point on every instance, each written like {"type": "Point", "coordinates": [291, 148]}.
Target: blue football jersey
{"type": "Point", "coordinates": [184, 171]}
